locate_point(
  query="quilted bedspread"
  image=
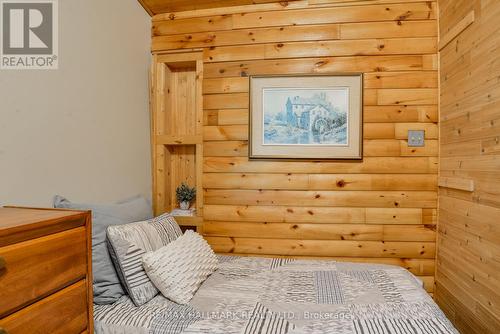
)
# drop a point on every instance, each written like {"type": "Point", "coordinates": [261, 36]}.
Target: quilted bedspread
{"type": "Point", "coordinates": [263, 295]}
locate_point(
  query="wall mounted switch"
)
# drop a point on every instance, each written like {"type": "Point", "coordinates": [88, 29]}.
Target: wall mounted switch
{"type": "Point", "coordinates": [416, 138]}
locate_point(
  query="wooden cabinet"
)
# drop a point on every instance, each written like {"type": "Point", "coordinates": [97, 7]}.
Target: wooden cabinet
{"type": "Point", "coordinates": [45, 271]}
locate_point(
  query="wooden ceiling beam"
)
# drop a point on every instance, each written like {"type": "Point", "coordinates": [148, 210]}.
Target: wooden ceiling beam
{"type": "Point", "coordinates": [154, 7]}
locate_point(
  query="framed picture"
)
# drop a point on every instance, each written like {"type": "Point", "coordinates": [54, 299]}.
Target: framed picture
{"type": "Point", "coordinates": [314, 117]}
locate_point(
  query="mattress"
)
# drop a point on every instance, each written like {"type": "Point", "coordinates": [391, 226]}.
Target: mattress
{"type": "Point", "coordinates": [265, 295]}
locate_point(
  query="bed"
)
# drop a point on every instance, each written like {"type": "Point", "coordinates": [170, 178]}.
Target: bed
{"type": "Point", "coordinates": [266, 295]}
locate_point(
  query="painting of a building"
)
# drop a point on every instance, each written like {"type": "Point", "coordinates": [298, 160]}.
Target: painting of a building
{"type": "Point", "coordinates": [308, 117]}
{"type": "Point", "coordinates": [308, 113]}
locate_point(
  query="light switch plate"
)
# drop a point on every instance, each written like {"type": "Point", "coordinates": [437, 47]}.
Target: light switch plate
{"type": "Point", "coordinates": [416, 138]}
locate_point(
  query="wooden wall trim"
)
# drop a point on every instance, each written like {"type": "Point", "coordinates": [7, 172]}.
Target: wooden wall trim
{"type": "Point", "coordinates": [456, 30]}
{"type": "Point", "coordinates": [456, 183]}
{"type": "Point", "coordinates": [146, 8]}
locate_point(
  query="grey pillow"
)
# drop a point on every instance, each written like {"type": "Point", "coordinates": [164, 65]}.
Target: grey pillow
{"type": "Point", "coordinates": [128, 243]}
{"type": "Point", "coordinates": [107, 287]}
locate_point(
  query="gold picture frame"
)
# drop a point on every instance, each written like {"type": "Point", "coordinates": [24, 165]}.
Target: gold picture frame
{"type": "Point", "coordinates": [306, 117]}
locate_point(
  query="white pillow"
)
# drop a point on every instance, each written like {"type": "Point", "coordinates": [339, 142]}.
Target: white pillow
{"type": "Point", "coordinates": [179, 268]}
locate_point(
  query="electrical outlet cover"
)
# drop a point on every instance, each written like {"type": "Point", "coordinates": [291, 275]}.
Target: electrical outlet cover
{"type": "Point", "coordinates": [416, 138]}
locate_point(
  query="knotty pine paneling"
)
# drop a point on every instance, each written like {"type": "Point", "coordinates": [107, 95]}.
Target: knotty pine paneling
{"type": "Point", "coordinates": [382, 209]}
{"type": "Point", "coordinates": [164, 6]}
{"type": "Point", "coordinates": [468, 266]}
{"type": "Point", "coordinates": [312, 65]}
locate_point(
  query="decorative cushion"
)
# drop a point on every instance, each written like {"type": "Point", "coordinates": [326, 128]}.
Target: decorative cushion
{"type": "Point", "coordinates": [107, 287]}
{"type": "Point", "coordinates": [179, 268]}
{"type": "Point", "coordinates": [129, 242]}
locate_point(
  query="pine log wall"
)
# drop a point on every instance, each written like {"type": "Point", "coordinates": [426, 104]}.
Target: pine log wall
{"type": "Point", "coordinates": [382, 209]}
{"type": "Point", "coordinates": [468, 275]}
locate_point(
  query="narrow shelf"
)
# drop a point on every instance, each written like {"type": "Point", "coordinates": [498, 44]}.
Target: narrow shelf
{"type": "Point", "coordinates": [189, 220]}
{"type": "Point", "coordinates": [456, 183]}
{"type": "Point", "coordinates": [178, 139]}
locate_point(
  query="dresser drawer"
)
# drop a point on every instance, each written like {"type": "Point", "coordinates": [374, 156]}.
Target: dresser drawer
{"type": "Point", "coordinates": [35, 268]}
{"type": "Point", "coordinates": [64, 312]}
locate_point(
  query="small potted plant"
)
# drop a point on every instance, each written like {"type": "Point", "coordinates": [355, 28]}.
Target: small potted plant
{"type": "Point", "coordinates": [185, 195]}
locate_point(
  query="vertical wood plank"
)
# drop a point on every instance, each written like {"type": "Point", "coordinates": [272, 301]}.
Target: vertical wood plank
{"type": "Point", "coordinates": [467, 284]}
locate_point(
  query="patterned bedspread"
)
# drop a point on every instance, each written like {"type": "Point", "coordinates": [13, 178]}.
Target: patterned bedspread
{"type": "Point", "coordinates": [262, 295]}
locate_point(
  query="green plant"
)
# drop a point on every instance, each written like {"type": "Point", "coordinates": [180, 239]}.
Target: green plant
{"type": "Point", "coordinates": [184, 193]}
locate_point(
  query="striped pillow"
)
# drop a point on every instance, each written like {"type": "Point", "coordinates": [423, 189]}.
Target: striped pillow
{"type": "Point", "coordinates": [179, 268]}
{"type": "Point", "coordinates": [129, 242]}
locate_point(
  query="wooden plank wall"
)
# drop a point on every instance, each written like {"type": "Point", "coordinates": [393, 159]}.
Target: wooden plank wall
{"type": "Point", "coordinates": [468, 270]}
{"type": "Point", "coordinates": [380, 210]}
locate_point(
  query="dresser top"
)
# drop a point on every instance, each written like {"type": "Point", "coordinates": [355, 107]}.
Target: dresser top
{"type": "Point", "coordinates": [24, 223]}
{"type": "Point", "coordinates": [10, 216]}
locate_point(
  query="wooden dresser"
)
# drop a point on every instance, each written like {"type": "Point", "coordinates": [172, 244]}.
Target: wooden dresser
{"type": "Point", "coordinates": [45, 271]}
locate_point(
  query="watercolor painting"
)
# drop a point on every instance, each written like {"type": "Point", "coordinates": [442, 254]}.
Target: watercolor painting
{"type": "Point", "coordinates": [315, 116]}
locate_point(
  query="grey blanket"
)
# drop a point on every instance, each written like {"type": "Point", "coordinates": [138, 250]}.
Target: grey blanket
{"type": "Point", "coordinates": [263, 295]}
